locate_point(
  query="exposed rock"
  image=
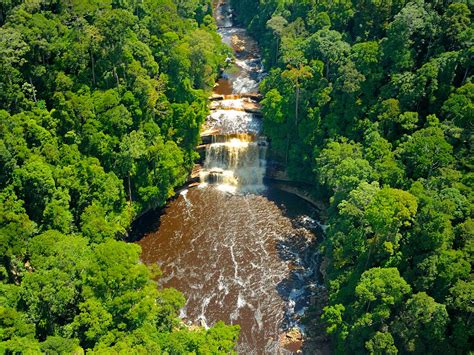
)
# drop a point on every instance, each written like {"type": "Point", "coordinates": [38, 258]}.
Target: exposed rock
{"type": "Point", "coordinates": [210, 132]}
{"type": "Point", "coordinates": [195, 172]}
{"type": "Point", "coordinates": [292, 340]}
{"type": "Point", "coordinates": [237, 44]}
{"type": "Point", "coordinates": [285, 185]}
{"type": "Point", "coordinates": [245, 104]}
{"type": "Point", "coordinates": [252, 107]}
{"type": "Point", "coordinates": [253, 96]}
{"type": "Point", "coordinates": [232, 97]}
{"type": "Point", "coordinates": [215, 97]}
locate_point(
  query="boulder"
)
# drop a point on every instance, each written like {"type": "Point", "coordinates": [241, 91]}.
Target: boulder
{"type": "Point", "coordinates": [292, 340]}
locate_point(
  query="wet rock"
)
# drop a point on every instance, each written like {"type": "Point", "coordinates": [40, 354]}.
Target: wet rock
{"type": "Point", "coordinates": [209, 132]}
{"type": "Point", "coordinates": [252, 107]}
{"type": "Point", "coordinates": [253, 96]}
{"type": "Point", "coordinates": [216, 97]}
{"type": "Point", "coordinates": [292, 340]}
{"type": "Point", "coordinates": [237, 44]}
{"type": "Point", "coordinates": [236, 103]}
{"type": "Point", "coordinates": [195, 172]}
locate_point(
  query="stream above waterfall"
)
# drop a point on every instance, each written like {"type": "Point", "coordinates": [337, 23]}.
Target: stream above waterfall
{"type": "Point", "coordinates": [239, 251]}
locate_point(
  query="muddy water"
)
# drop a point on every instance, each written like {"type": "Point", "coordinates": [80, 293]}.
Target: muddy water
{"type": "Point", "coordinates": [244, 258]}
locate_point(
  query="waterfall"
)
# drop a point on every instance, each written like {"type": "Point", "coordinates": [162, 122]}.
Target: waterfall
{"type": "Point", "coordinates": [235, 163]}
{"type": "Point", "coordinates": [235, 152]}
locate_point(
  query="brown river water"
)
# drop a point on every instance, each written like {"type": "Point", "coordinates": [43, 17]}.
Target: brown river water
{"type": "Point", "coordinates": [240, 251]}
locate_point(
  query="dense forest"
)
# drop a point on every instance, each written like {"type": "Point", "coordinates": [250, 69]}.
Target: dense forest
{"type": "Point", "coordinates": [101, 103]}
{"type": "Point", "coordinates": [372, 102]}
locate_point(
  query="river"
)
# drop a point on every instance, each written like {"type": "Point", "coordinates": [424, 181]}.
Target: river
{"type": "Point", "coordinates": [240, 251]}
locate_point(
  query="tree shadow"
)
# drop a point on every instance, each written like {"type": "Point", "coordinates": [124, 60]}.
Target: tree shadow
{"type": "Point", "coordinates": [145, 224]}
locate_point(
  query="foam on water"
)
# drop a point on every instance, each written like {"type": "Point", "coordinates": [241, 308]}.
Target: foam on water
{"type": "Point", "coordinates": [236, 164]}
{"type": "Point", "coordinates": [234, 122]}
{"type": "Point", "coordinates": [236, 258]}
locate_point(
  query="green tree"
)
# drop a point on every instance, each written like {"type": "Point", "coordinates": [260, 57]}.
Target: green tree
{"type": "Point", "coordinates": [425, 152]}
{"type": "Point", "coordinates": [16, 229]}
{"type": "Point", "coordinates": [460, 106]}
{"type": "Point", "coordinates": [380, 290]}
{"type": "Point", "coordinates": [277, 24]}
{"type": "Point", "coordinates": [342, 167]}
{"type": "Point", "coordinates": [56, 213]}
{"type": "Point", "coordinates": [328, 46]}
{"type": "Point", "coordinates": [421, 324]}
{"type": "Point", "coordinates": [456, 21]}
{"type": "Point", "coordinates": [35, 184]}
{"type": "Point", "coordinates": [381, 343]}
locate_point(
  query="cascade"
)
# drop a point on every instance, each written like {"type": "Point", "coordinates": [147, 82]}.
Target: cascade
{"type": "Point", "coordinates": [238, 163]}
{"type": "Point", "coordinates": [235, 157]}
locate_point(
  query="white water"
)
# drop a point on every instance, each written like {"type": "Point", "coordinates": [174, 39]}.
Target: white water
{"type": "Point", "coordinates": [235, 165]}
{"type": "Point", "coordinates": [233, 121]}
{"type": "Point", "coordinates": [235, 160]}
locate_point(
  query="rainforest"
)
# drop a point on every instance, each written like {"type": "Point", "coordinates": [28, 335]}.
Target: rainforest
{"type": "Point", "coordinates": [236, 176]}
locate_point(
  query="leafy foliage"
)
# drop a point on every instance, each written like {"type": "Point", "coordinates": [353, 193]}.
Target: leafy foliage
{"type": "Point", "coordinates": [101, 103]}
{"type": "Point", "coordinates": [382, 127]}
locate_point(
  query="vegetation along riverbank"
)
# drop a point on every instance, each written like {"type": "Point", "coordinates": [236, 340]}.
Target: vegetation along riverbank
{"type": "Point", "coordinates": [372, 102]}
{"type": "Point", "coordinates": [364, 109]}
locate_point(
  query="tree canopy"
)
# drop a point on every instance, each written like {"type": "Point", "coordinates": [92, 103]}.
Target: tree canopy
{"type": "Point", "coordinates": [384, 135]}
{"type": "Point", "coordinates": [100, 108]}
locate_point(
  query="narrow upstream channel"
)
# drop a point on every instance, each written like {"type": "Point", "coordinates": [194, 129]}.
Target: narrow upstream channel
{"type": "Point", "coordinates": [240, 251]}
